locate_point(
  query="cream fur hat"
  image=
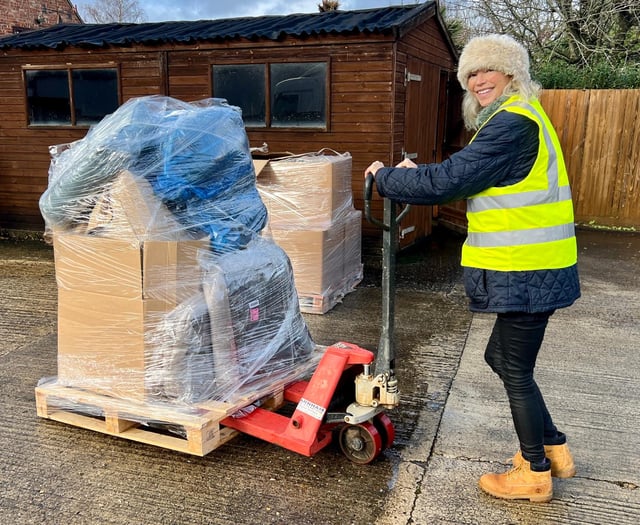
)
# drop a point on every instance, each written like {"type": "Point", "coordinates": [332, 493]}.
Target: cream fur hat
{"type": "Point", "coordinates": [496, 52]}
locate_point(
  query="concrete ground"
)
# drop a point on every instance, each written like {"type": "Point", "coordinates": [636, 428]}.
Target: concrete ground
{"type": "Point", "coordinates": [452, 425]}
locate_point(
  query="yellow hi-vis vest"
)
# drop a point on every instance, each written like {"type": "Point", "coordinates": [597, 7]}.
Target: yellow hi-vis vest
{"type": "Point", "coordinates": [528, 225]}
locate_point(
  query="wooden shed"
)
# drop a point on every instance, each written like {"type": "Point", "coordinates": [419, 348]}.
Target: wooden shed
{"type": "Point", "coordinates": [378, 83]}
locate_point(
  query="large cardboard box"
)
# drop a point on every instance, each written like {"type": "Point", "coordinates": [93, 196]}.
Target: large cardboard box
{"type": "Point", "coordinates": [317, 256]}
{"type": "Point", "coordinates": [323, 259]}
{"type": "Point", "coordinates": [309, 191]}
{"type": "Point", "coordinates": [161, 270]}
{"type": "Point", "coordinates": [105, 342]}
{"type": "Point", "coordinates": [112, 296]}
{"type": "Point", "coordinates": [353, 246]}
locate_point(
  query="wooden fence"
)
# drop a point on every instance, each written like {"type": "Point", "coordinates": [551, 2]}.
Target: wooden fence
{"type": "Point", "coordinates": [599, 131]}
{"type": "Point", "coordinates": [600, 135]}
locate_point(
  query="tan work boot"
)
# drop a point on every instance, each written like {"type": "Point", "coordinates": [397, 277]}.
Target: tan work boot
{"type": "Point", "coordinates": [562, 465]}
{"type": "Point", "coordinates": [519, 483]}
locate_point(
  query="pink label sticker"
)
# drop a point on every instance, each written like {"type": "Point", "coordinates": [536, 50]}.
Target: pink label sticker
{"type": "Point", "coordinates": [254, 314]}
{"type": "Point", "coordinates": [254, 311]}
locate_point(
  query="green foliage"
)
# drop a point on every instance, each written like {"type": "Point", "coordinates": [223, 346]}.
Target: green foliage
{"type": "Point", "coordinates": [560, 75]}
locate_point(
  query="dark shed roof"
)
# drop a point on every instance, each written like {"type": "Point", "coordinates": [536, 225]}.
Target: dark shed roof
{"type": "Point", "coordinates": [387, 20]}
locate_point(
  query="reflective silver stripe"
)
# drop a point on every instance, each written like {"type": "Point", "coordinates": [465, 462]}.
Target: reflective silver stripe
{"type": "Point", "coordinates": [521, 237]}
{"type": "Point", "coordinates": [517, 200]}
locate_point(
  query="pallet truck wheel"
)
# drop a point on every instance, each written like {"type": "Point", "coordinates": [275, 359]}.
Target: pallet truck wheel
{"type": "Point", "coordinates": [360, 443]}
{"type": "Point", "coordinates": [386, 429]}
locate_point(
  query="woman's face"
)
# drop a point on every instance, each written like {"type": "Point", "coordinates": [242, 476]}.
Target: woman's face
{"type": "Point", "coordinates": [487, 85]}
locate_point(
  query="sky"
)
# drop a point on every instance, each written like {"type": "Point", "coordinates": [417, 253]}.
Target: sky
{"type": "Point", "coordinates": [163, 10]}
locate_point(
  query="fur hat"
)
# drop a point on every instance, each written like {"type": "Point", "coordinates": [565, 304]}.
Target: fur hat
{"type": "Point", "coordinates": [494, 52]}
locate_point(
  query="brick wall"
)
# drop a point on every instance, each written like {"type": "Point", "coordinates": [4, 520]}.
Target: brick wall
{"type": "Point", "coordinates": [20, 15]}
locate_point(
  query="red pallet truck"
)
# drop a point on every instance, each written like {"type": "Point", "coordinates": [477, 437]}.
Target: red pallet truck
{"type": "Point", "coordinates": [344, 397]}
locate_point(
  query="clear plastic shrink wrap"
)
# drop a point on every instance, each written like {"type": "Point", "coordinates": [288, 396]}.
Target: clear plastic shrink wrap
{"type": "Point", "coordinates": [311, 191]}
{"type": "Point", "coordinates": [312, 217]}
{"type": "Point", "coordinates": [167, 292]}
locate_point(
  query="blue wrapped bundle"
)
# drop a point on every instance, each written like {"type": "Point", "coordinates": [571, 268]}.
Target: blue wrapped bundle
{"type": "Point", "coordinates": [196, 157]}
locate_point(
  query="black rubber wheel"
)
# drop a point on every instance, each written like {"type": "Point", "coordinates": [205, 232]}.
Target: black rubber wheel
{"type": "Point", "coordinates": [360, 443]}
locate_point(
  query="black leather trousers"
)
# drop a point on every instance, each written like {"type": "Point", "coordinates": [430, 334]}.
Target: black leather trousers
{"type": "Point", "coordinates": [511, 353]}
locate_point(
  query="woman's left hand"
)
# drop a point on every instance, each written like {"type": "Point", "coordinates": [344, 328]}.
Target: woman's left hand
{"type": "Point", "coordinates": [406, 163]}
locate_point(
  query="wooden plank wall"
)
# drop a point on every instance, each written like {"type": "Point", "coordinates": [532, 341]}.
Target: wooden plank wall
{"type": "Point", "coordinates": [360, 115]}
{"type": "Point", "coordinates": [366, 109]}
{"type": "Point", "coordinates": [24, 151]}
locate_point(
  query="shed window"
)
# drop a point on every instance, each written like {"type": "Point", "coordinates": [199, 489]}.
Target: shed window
{"type": "Point", "coordinates": [275, 95]}
{"type": "Point", "coordinates": [50, 101]}
{"type": "Point", "coordinates": [243, 86]}
{"type": "Point", "coordinates": [298, 95]}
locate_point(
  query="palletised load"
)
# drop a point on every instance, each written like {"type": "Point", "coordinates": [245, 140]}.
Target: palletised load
{"type": "Point", "coordinates": [168, 292]}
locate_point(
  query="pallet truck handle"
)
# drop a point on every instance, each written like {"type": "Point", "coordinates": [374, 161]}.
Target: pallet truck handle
{"type": "Point", "coordinates": [368, 194]}
{"type": "Point", "coordinates": [385, 359]}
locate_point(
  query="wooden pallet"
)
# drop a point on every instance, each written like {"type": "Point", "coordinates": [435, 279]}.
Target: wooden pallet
{"type": "Point", "coordinates": [194, 429]}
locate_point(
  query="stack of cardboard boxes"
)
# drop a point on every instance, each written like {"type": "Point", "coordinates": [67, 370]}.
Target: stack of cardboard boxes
{"type": "Point", "coordinates": [117, 277]}
{"type": "Point", "coordinates": [311, 216]}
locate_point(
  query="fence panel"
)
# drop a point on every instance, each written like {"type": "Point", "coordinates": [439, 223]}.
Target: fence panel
{"type": "Point", "coordinates": [600, 137]}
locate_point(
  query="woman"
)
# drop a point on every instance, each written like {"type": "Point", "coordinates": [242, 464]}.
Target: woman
{"type": "Point", "coordinates": [520, 255]}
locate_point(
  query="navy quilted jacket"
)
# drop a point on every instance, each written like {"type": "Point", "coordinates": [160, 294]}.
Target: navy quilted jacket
{"type": "Point", "coordinates": [502, 154]}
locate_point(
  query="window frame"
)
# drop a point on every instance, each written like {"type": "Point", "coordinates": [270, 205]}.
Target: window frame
{"type": "Point", "coordinates": [69, 68]}
{"type": "Point", "coordinates": [268, 126]}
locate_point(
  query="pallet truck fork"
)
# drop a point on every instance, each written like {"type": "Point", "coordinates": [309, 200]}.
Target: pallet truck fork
{"type": "Point", "coordinates": [364, 430]}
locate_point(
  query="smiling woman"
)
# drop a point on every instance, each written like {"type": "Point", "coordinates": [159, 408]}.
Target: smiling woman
{"type": "Point", "coordinates": [520, 256]}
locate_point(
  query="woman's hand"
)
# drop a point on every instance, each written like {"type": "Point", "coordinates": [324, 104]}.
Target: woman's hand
{"type": "Point", "coordinates": [406, 163]}
{"type": "Point", "coordinates": [376, 165]}
{"type": "Point", "coordinates": [373, 168]}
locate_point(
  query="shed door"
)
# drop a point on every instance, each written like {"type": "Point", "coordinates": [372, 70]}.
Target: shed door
{"type": "Point", "coordinates": [425, 121]}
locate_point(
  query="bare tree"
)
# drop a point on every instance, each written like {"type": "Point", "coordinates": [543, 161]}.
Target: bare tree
{"type": "Point", "coordinates": [580, 32]}
{"type": "Point", "coordinates": [113, 11]}
{"type": "Point", "coordinates": [328, 5]}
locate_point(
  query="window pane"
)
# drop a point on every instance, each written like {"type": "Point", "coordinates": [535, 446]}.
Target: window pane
{"type": "Point", "coordinates": [242, 86]}
{"type": "Point", "coordinates": [298, 95]}
{"type": "Point", "coordinates": [48, 98]}
{"type": "Point", "coordinates": [95, 94]}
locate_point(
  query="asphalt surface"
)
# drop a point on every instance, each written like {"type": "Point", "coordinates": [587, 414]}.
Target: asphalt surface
{"type": "Point", "coordinates": [452, 425]}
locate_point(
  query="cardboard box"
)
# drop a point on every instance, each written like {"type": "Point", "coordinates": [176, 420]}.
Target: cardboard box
{"type": "Point", "coordinates": [322, 259]}
{"type": "Point", "coordinates": [104, 343]}
{"type": "Point", "coordinates": [353, 245]}
{"type": "Point", "coordinates": [317, 256]}
{"type": "Point", "coordinates": [161, 270]}
{"type": "Point", "coordinates": [308, 191]}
